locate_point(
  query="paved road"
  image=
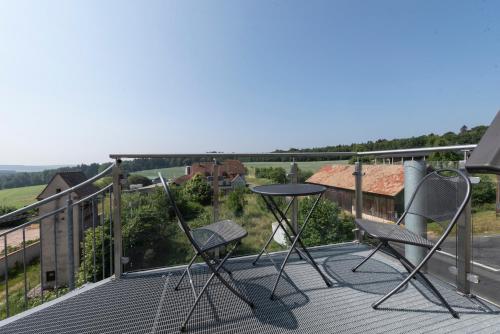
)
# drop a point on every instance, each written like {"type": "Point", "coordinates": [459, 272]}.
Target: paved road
{"type": "Point", "coordinates": [485, 249]}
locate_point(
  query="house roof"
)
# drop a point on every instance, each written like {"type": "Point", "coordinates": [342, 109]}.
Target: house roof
{"type": "Point", "coordinates": [72, 179]}
{"type": "Point", "coordinates": [385, 180]}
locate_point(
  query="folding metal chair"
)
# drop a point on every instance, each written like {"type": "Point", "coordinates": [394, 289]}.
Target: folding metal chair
{"type": "Point", "coordinates": [204, 240]}
{"type": "Point", "coordinates": [440, 197]}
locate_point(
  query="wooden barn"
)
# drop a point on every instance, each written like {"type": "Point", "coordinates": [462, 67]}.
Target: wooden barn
{"type": "Point", "coordinates": [383, 185]}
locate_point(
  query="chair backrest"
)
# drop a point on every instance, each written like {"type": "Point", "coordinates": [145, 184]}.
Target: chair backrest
{"type": "Point", "coordinates": [441, 196]}
{"type": "Point", "coordinates": [180, 220]}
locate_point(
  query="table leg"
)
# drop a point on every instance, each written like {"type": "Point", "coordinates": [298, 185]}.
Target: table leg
{"type": "Point", "coordinates": [297, 239]}
{"type": "Point", "coordinates": [270, 207]}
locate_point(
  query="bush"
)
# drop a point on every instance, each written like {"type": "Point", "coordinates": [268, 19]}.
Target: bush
{"type": "Point", "coordinates": [139, 179]}
{"type": "Point", "coordinates": [327, 224]}
{"type": "Point", "coordinates": [276, 174]}
{"type": "Point", "coordinates": [236, 201]}
{"type": "Point", "coordinates": [304, 175]}
{"type": "Point", "coordinates": [198, 190]}
{"type": "Point", "coordinates": [484, 192]}
{"type": "Point", "coordinates": [103, 182]}
{"type": "Point", "coordinates": [151, 236]}
{"type": "Point", "coordinates": [6, 209]}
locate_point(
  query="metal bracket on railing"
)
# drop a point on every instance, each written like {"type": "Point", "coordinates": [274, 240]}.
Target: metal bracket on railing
{"type": "Point", "coordinates": [473, 278]}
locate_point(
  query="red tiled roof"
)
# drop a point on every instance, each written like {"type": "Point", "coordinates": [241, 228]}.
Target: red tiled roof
{"type": "Point", "coordinates": [377, 179]}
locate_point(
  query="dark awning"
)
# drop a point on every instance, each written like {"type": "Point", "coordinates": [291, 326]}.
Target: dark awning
{"type": "Point", "coordinates": [486, 156]}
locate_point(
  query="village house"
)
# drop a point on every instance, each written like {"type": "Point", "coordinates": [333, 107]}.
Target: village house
{"type": "Point", "coordinates": [231, 174]}
{"type": "Point", "coordinates": [54, 229]}
{"type": "Point", "coordinates": [383, 185]}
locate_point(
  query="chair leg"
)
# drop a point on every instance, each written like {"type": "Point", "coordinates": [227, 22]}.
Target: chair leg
{"type": "Point", "coordinates": [215, 272]}
{"type": "Point", "coordinates": [366, 258]}
{"type": "Point", "coordinates": [217, 262]}
{"type": "Point", "coordinates": [185, 271]}
{"type": "Point", "coordinates": [416, 270]}
{"type": "Point", "coordinates": [431, 286]}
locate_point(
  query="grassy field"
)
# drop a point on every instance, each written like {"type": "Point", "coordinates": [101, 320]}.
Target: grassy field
{"type": "Point", "coordinates": [170, 172]}
{"type": "Point", "coordinates": [312, 166]}
{"type": "Point", "coordinates": [19, 197]}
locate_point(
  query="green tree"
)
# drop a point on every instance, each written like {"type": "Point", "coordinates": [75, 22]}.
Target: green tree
{"type": "Point", "coordinates": [198, 190]}
{"type": "Point", "coordinates": [327, 224]}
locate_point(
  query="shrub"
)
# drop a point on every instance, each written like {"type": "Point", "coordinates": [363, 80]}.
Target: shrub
{"type": "Point", "coordinates": [484, 192]}
{"type": "Point", "coordinates": [198, 190]}
{"type": "Point", "coordinates": [276, 174]}
{"type": "Point", "coordinates": [327, 224]}
{"type": "Point", "coordinates": [236, 201]}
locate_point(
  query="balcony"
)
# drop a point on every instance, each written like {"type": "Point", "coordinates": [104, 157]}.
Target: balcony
{"type": "Point", "coordinates": [145, 302]}
{"type": "Point", "coordinates": [138, 299]}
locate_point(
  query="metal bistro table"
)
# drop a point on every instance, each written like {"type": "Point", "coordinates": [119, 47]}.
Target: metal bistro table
{"type": "Point", "coordinates": [292, 190]}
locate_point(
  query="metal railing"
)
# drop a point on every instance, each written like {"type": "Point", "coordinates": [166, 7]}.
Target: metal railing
{"type": "Point", "coordinates": [90, 202]}
{"type": "Point", "coordinates": [464, 266]}
{"type": "Point", "coordinates": [114, 190]}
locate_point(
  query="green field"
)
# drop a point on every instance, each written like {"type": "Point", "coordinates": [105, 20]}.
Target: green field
{"type": "Point", "coordinates": [312, 166]}
{"type": "Point", "coordinates": [19, 197]}
{"type": "Point", "coordinates": [169, 173]}
{"type": "Point", "coordinates": [173, 172]}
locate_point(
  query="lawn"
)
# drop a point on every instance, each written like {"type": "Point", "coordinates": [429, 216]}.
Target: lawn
{"type": "Point", "coordinates": [19, 197]}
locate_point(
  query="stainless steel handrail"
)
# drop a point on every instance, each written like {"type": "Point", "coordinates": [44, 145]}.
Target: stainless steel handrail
{"type": "Point", "coordinates": [293, 154]}
{"type": "Point", "coordinates": [56, 211]}
{"type": "Point", "coordinates": [56, 196]}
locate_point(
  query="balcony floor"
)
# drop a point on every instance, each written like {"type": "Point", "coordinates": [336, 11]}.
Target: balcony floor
{"type": "Point", "coordinates": [146, 302]}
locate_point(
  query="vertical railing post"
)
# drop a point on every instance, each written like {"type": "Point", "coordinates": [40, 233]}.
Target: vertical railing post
{"type": "Point", "coordinates": [294, 178]}
{"type": "Point", "coordinates": [414, 172]}
{"type": "Point", "coordinates": [6, 274]}
{"type": "Point", "coordinates": [464, 246]}
{"type": "Point", "coordinates": [71, 254]}
{"type": "Point", "coordinates": [358, 194]}
{"type": "Point", "coordinates": [117, 221]}
{"type": "Point", "coordinates": [215, 190]}
{"type": "Point", "coordinates": [497, 202]}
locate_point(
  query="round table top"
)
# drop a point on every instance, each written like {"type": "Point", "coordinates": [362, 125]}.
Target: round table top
{"type": "Point", "coordinates": [298, 189]}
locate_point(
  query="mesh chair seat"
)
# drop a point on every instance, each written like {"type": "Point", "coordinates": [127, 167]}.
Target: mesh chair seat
{"type": "Point", "coordinates": [218, 234]}
{"type": "Point", "coordinates": [392, 232]}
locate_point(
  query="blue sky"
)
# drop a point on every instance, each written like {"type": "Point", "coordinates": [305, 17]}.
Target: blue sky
{"type": "Point", "coordinates": [82, 79]}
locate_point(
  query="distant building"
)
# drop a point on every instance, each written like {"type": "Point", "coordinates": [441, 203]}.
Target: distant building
{"type": "Point", "coordinates": [231, 174]}
{"type": "Point", "coordinates": [383, 186]}
{"type": "Point", "coordinates": [53, 230]}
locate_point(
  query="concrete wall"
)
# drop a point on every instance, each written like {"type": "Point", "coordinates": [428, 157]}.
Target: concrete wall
{"type": "Point", "coordinates": [32, 253]}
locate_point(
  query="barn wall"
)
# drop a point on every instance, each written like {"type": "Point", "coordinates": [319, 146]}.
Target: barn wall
{"type": "Point", "coordinates": [384, 207]}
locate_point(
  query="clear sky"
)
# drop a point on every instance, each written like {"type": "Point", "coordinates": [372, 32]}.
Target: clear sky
{"type": "Point", "coordinates": [82, 79]}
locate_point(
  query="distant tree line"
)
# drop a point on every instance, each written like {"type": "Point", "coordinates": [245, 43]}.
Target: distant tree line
{"type": "Point", "coordinates": [462, 137]}
{"type": "Point", "coordinates": [35, 178]}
